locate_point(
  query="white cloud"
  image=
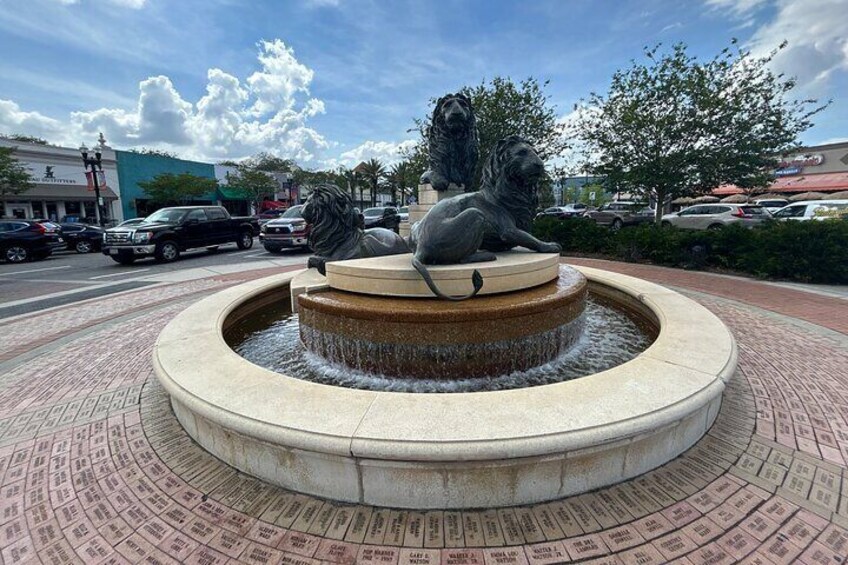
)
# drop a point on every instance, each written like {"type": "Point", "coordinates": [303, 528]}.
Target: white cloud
{"type": "Point", "coordinates": [739, 8]}
{"type": "Point", "coordinates": [387, 152]}
{"type": "Point", "coordinates": [15, 120]}
{"type": "Point", "coordinates": [816, 31]}
{"type": "Point", "coordinates": [269, 112]}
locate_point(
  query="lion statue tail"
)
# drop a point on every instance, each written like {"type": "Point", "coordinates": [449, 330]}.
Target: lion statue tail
{"type": "Point", "coordinates": [476, 281]}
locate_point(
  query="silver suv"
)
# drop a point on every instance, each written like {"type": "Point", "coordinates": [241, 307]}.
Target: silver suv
{"type": "Point", "coordinates": [716, 216]}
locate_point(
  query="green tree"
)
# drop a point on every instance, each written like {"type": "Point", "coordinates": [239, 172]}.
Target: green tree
{"type": "Point", "coordinates": [676, 126]}
{"type": "Point", "coordinates": [168, 188]}
{"type": "Point", "coordinates": [14, 178]}
{"type": "Point", "coordinates": [254, 184]}
{"type": "Point", "coordinates": [503, 108]}
{"type": "Point", "coordinates": [157, 152]}
{"type": "Point", "coordinates": [372, 171]}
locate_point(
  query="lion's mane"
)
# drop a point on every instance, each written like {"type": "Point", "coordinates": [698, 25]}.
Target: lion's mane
{"type": "Point", "coordinates": [453, 155]}
{"type": "Point", "coordinates": [501, 181]}
{"type": "Point", "coordinates": [334, 219]}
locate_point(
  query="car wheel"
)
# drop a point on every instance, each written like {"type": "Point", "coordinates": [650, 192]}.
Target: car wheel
{"type": "Point", "coordinates": [616, 225]}
{"type": "Point", "coordinates": [167, 251]}
{"type": "Point", "coordinates": [16, 254]}
{"type": "Point", "coordinates": [84, 247]}
{"type": "Point", "coordinates": [715, 227]}
{"type": "Point", "coordinates": [123, 260]}
{"type": "Point", "coordinates": [245, 240]}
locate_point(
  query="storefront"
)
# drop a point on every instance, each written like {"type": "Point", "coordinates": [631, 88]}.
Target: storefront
{"type": "Point", "coordinates": [135, 168]}
{"type": "Point", "coordinates": [823, 168]}
{"type": "Point", "coordinates": [61, 189]}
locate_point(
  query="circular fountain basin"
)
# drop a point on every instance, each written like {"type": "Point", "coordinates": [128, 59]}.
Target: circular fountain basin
{"type": "Point", "coordinates": [462, 450]}
{"type": "Point", "coordinates": [437, 339]}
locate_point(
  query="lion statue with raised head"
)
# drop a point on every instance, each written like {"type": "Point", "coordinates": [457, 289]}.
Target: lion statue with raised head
{"type": "Point", "coordinates": [336, 234]}
{"type": "Point", "coordinates": [471, 227]}
{"type": "Point", "coordinates": [452, 143]}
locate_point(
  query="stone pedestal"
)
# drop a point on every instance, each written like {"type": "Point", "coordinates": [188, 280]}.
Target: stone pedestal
{"type": "Point", "coordinates": [427, 198]}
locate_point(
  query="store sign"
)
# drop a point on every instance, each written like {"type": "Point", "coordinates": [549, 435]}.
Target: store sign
{"type": "Point", "coordinates": [802, 161]}
{"type": "Point", "coordinates": [788, 171]}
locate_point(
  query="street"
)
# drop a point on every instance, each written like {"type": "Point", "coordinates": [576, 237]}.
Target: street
{"type": "Point", "coordinates": [67, 276]}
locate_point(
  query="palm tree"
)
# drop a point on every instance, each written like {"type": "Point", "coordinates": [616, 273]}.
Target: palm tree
{"type": "Point", "coordinates": [372, 170]}
{"type": "Point", "coordinates": [351, 180]}
{"type": "Point", "coordinates": [398, 176]}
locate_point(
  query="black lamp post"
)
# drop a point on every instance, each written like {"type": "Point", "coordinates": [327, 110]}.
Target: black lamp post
{"type": "Point", "coordinates": [96, 165]}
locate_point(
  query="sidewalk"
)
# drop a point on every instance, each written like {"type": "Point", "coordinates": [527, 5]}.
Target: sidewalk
{"type": "Point", "coordinates": [95, 469]}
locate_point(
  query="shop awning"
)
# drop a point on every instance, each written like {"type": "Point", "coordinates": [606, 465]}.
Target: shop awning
{"type": "Point", "coordinates": [53, 192]}
{"type": "Point", "coordinates": [229, 193]}
{"type": "Point", "coordinates": [820, 182]}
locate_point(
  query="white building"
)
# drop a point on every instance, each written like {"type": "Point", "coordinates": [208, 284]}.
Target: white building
{"type": "Point", "coordinates": [61, 186]}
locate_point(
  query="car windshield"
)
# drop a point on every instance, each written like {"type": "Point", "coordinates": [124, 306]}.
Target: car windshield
{"type": "Point", "coordinates": [167, 215]}
{"type": "Point", "coordinates": [293, 212]}
{"type": "Point", "coordinates": [372, 212]}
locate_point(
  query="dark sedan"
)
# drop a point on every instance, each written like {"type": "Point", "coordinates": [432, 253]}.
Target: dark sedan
{"type": "Point", "coordinates": [82, 238]}
{"type": "Point", "coordinates": [25, 240]}
{"type": "Point", "coordinates": [382, 217]}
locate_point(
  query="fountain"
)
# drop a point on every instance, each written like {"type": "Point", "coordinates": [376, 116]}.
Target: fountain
{"type": "Point", "coordinates": [374, 317]}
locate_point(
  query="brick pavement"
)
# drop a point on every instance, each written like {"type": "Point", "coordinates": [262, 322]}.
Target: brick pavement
{"type": "Point", "coordinates": [95, 469]}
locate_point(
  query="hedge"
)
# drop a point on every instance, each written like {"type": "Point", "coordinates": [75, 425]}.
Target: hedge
{"type": "Point", "coordinates": [812, 251]}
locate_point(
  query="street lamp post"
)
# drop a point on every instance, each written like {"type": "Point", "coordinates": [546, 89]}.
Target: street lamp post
{"type": "Point", "coordinates": [96, 165]}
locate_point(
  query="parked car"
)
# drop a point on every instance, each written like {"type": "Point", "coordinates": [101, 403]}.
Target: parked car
{"type": "Point", "coordinates": [403, 212]}
{"type": "Point", "coordinates": [82, 238]}
{"type": "Point", "coordinates": [575, 210]}
{"type": "Point", "coordinates": [168, 232]}
{"type": "Point", "coordinates": [131, 222]}
{"type": "Point", "coordinates": [616, 215]}
{"type": "Point", "coordinates": [25, 240]}
{"type": "Point", "coordinates": [772, 205]}
{"type": "Point", "coordinates": [270, 214]}
{"type": "Point", "coordinates": [287, 231]}
{"type": "Point", "coordinates": [382, 217]}
{"type": "Point", "coordinates": [716, 216]}
{"type": "Point", "coordinates": [813, 210]}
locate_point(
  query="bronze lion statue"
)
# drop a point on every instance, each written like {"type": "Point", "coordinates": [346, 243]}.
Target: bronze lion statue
{"type": "Point", "coordinates": [336, 234]}
{"type": "Point", "coordinates": [471, 227]}
{"type": "Point", "coordinates": [452, 143]}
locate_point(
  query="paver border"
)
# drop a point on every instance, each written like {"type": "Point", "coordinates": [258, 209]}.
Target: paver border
{"type": "Point", "coordinates": [449, 450]}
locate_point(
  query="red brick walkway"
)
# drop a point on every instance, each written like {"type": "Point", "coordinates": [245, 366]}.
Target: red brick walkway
{"type": "Point", "coordinates": [95, 469]}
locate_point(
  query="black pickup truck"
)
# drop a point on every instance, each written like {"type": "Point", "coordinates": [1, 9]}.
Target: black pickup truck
{"type": "Point", "coordinates": [169, 231]}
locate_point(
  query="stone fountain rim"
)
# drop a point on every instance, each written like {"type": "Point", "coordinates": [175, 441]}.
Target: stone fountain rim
{"type": "Point", "coordinates": [679, 375]}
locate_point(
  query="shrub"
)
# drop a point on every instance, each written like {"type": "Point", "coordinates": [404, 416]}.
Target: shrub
{"type": "Point", "coordinates": [812, 251]}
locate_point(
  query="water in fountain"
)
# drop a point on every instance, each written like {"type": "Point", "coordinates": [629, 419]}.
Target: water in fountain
{"type": "Point", "coordinates": [602, 337]}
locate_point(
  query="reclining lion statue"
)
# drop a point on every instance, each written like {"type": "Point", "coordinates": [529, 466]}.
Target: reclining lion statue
{"type": "Point", "coordinates": [471, 227]}
{"type": "Point", "coordinates": [452, 144]}
{"type": "Point", "coordinates": [336, 234]}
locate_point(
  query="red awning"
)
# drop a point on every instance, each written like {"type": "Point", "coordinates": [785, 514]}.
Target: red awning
{"type": "Point", "coordinates": [271, 205]}
{"type": "Point", "coordinates": [821, 182]}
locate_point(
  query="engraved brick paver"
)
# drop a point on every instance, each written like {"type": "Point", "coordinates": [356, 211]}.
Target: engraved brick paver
{"type": "Point", "coordinates": [94, 467]}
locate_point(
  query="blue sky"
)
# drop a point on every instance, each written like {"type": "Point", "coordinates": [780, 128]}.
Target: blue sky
{"type": "Point", "coordinates": [337, 81]}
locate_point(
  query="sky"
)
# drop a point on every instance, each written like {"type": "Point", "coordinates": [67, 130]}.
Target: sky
{"type": "Point", "coordinates": [335, 82]}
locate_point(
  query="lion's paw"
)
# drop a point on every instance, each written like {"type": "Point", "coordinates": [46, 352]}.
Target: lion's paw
{"type": "Point", "coordinates": [551, 248]}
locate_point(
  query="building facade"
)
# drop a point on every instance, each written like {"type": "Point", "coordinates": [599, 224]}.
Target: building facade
{"type": "Point", "coordinates": [62, 191]}
{"type": "Point", "coordinates": [820, 168]}
{"type": "Point", "coordinates": [134, 168]}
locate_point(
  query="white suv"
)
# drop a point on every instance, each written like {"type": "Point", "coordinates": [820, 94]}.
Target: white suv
{"type": "Point", "coordinates": [813, 210]}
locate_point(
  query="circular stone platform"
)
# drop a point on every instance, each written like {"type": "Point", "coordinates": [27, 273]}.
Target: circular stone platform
{"type": "Point", "coordinates": [470, 450]}
{"type": "Point", "coordinates": [437, 339]}
{"type": "Point", "coordinates": [394, 275]}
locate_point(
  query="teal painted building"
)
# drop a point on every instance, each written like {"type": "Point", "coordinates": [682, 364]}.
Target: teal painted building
{"type": "Point", "coordinates": [139, 167]}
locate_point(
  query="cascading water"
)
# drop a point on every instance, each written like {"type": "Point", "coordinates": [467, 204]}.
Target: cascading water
{"type": "Point", "coordinates": [602, 337]}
